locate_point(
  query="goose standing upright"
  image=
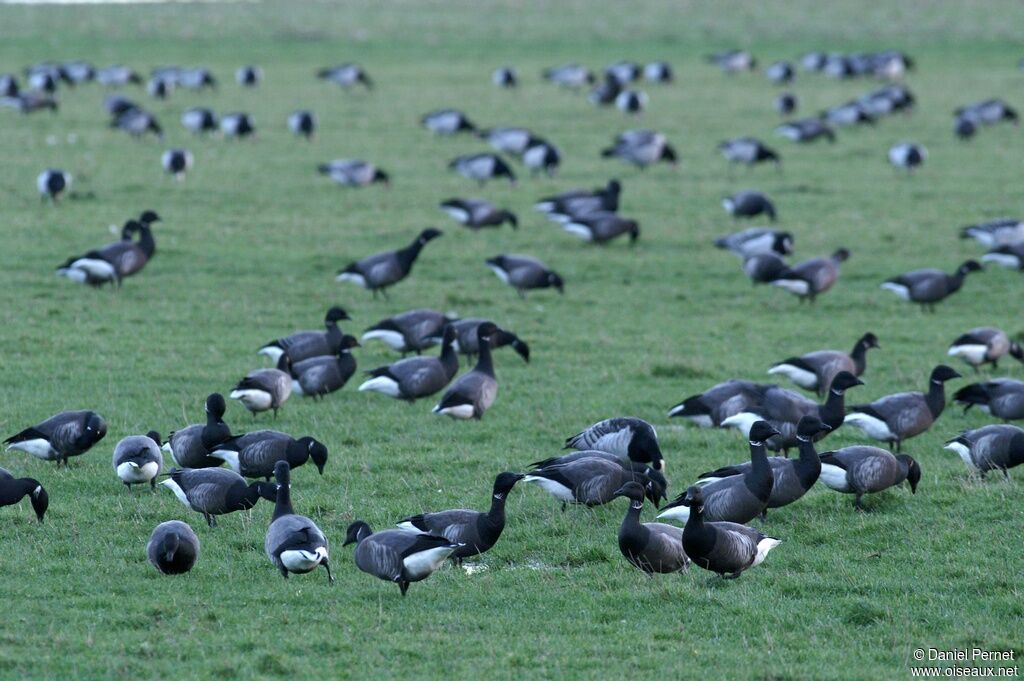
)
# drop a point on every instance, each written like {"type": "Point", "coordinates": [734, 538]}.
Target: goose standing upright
{"type": "Point", "coordinates": [303, 345]}
{"type": "Point", "coordinates": [474, 392]}
{"type": "Point", "coordinates": [396, 555]}
{"type": "Point", "coordinates": [115, 261]}
{"type": "Point", "coordinates": [725, 548]}
{"type": "Point", "coordinates": [985, 345]}
{"type": "Point", "coordinates": [177, 162]}
{"type": "Point", "coordinates": [997, 447]}
{"type": "Point", "coordinates": [294, 544]}
{"type": "Point", "coordinates": [13, 490]}
{"type": "Point", "coordinates": [67, 434]}
{"type": "Point", "coordinates": [864, 470]}
{"type": "Point", "coordinates": [381, 270]}
{"type": "Point", "coordinates": [649, 547]}
{"type": "Point", "coordinates": [173, 548]}
{"type": "Point", "coordinates": [190, 447]}
{"type": "Point", "coordinates": [302, 123]}
{"type": "Point", "coordinates": [137, 459]}
{"type": "Point", "coordinates": [410, 379]}
{"type": "Point", "coordinates": [815, 370]}
{"type": "Point", "coordinates": [929, 286]}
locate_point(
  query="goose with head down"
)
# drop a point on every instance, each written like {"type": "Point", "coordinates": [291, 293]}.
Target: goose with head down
{"type": "Point", "coordinates": [216, 491]}
{"type": "Point", "coordinates": [594, 480]}
{"type": "Point", "coordinates": [929, 286]}
{"type": "Point", "coordinates": [1000, 397]}
{"type": "Point", "coordinates": [985, 345]}
{"type": "Point", "coordinates": [13, 490]}
{"type": "Point", "coordinates": [398, 556]}
{"type": "Point", "coordinates": [318, 376]}
{"type": "Point", "coordinates": [864, 470]}
{"type": "Point", "coordinates": [411, 331]}
{"type": "Point", "coordinates": [810, 278]}
{"type": "Point", "coordinates": [254, 455]}
{"type": "Point", "coordinates": [524, 272]}
{"type": "Point", "coordinates": [989, 448]}
{"type": "Point", "coordinates": [67, 434]}
{"type": "Point", "coordinates": [628, 437]}
{"type": "Point", "coordinates": [137, 459]}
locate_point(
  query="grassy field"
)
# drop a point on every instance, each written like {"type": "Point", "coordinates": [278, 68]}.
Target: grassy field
{"type": "Point", "coordinates": [247, 252]}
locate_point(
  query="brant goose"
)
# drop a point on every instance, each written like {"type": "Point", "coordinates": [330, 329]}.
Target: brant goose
{"type": "Point", "coordinates": [864, 470]}
{"type": "Point", "coordinates": [1009, 255]}
{"type": "Point", "coordinates": [786, 103]}
{"type": "Point", "coordinates": [512, 141]}
{"type": "Point", "coordinates": [594, 480]}
{"type": "Point", "coordinates": [264, 389]}
{"type": "Point", "coordinates": [929, 286]}
{"type": "Point", "coordinates": [381, 270]}
{"type": "Point", "coordinates": [725, 548]}
{"type": "Point", "coordinates": [67, 434]}
{"type": "Point", "coordinates": [318, 376]}
{"type": "Point", "coordinates": [302, 123]}
{"type": "Point", "coordinates": [907, 156]}
{"type": "Point", "coordinates": [812, 277]}
{"type": "Point", "coordinates": [748, 204]}
{"type": "Point", "coordinates": [748, 151]}
{"type": "Point", "coordinates": [649, 547]}
{"type": "Point", "coordinates": [572, 76]}
{"type": "Point", "coordinates": [294, 544]}
{"type": "Point", "coordinates": [477, 213]}
{"type": "Point", "coordinates": [216, 491]}
{"type": "Point", "coordinates": [1001, 232]}
{"type": "Point", "coordinates": [474, 392]}
{"type": "Point", "coordinates": [13, 490]}
{"type": "Point", "coordinates": [757, 241]}
{"type": "Point", "coordinates": [177, 162]}
{"type": "Point", "coordinates": [641, 148]}
{"type": "Point", "coordinates": [600, 228]}
{"type": "Point", "coordinates": [198, 120]}
{"type": "Point", "coordinates": [117, 75]}
{"type": "Point", "coordinates": [254, 455]}
{"type": "Point", "coordinates": [1000, 397]}
{"type": "Point", "coordinates": [658, 72]}
{"type": "Point", "coordinates": [780, 73]}
{"type": "Point", "coordinates": [173, 548]}
{"type": "Point", "coordinates": [542, 157]}
{"type": "Point", "coordinates": [249, 76]}
{"type": "Point", "coordinates": [710, 408]}
{"type": "Point", "coordinates": [303, 345]}
{"type": "Point", "coordinates": [505, 76]}
{"type": "Point", "coordinates": [137, 122]}
{"type": "Point", "coordinates": [815, 370]}
{"type": "Point", "coordinates": [578, 202]}
{"type": "Point", "coordinates": [412, 331]}
{"type": "Point", "coordinates": [466, 341]}
{"type": "Point", "coordinates": [764, 268]}
{"type": "Point", "coordinates": [805, 130]}
{"type": "Point", "coordinates": [396, 555]}
{"type": "Point", "coordinates": [51, 183]}
{"type": "Point", "coordinates": [237, 125]}
{"type": "Point", "coordinates": [190, 447]}
{"type": "Point", "coordinates": [733, 61]}
{"type": "Point", "coordinates": [524, 272]}
{"type": "Point", "coordinates": [628, 437]}
{"type": "Point", "coordinates": [346, 75]}
{"type": "Point", "coordinates": [137, 459]}
{"type": "Point", "coordinates": [415, 377]}
{"type": "Point", "coordinates": [482, 167]}
{"type": "Point", "coordinates": [115, 261]}
{"type": "Point", "coordinates": [446, 122]}
{"type": "Point", "coordinates": [989, 448]}
{"type": "Point", "coordinates": [985, 345]}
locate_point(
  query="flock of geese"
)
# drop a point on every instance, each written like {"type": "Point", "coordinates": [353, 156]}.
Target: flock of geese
{"type": "Point", "coordinates": [218, 471]}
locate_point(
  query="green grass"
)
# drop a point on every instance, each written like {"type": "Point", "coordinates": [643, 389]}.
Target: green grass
{"type": "Point", "coordinates": [247, 253]}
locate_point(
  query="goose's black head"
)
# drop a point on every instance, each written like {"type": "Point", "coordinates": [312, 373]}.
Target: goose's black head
{"type": "Point", "coordinates": [382, 177]}
{"type": "Point", "coordinates": [40, 501]}
{"type": "Point", "coordinates": [841, 255]}
{"type": "Point", "coordinates": [783, 244]}
{"type": "Point", "coordinates": [316, 450]}
{"type": "Point", "coordinates": [1016, 351]}
{"type": "Point", "coordinates": [429, 234]}
{"type": "Point", "coordinates": [149, 217]}
{"type": "Point", "coordinates": [449, 335]}
{"type": "Point", "coordinates": [282, 473]}
{"type": "Point", "coordinates": [504, 483]}
{"type": "Point", "coordinates": [655, 485]}
{"type": "Point", "coordinates": [95, 429]}
{"type": "Point", "coordinates": [695, 499]}
{"type": "Point", "coordinates": [766, 154]}
{"type": "Point", "coordinates": [943, 373]}
{"type": "Point", "coordinates": [215, 405]}
{"type": "Point", "coordinates": [336, 314]}
{"type": "Point", "coordinates": [810, 426]}
{"type": "Point", "coordinates": [643, 446]}
{"type": "Point", "coordinates": [347, 343]}
{"type": "Point", "coordinates": [614, 187]}
{"type": "Point", "coordinates": [668, 154]}
{"type": "Point", "coordinates": [155, 437]}
{"type": "Point", "coordinates": [485, 331]}
{"type": "Point", "coordinates": [843, 381]}
{"type": "Point", "coordinates": [761, 431]}
{"type": "Point", "coordinates": [869, 340]}
{"type": "Point", "coordinates": [357, 532]}
{"type": "Point", "coordinates": [968, 267]}
{"type": "Point", "coordinates": [556, 281]}
{"type": "Point", "coordinates": [130, 228]}
{"type": "Point", "coordinates": [633, 491]}
{"type": "Point", "coordinates": [266, 490]}
{"type": "Point", "coordinates": [913, 471]}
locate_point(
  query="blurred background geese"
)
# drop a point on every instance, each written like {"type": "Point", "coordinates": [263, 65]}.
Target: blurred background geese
{"type": "Point", "coordinates": [580, 202]}
{"type": "Point", "coordinates": [173, 548]}
{"type": "Point", "coordinates": [929, 286]}
{"type": "Point", "coordinates": [1000, 397]}
{"type": "Point", "coordinates": [512, 141]}
{"type": "Point", "coordinates": [815, 370]}
{"type": "Point", "coordinates": [303, 345]}
{"type": "Point", "coordinates": [447, 122]}
{"type": "Point", "coordinates": [67, 434]}
{"type": "Point", "coordinates": [864, 470]}
{"type": "Point", "coordinates": [631, 101]}
{"type": "Point", "coordinates": [249, 76]}
{"type": "Point", "coordinates": [990, 448]}
{"type": "Point", "coordinates": [600, 228]}
{"type": "Point", "coordinates": [733, 61]}
{"type": "Point", "coordinates": [748, 204]}
{"type": "Point", "coordinates": [482, 167]}
{"type": "Point", "coordinates": [475, 391]}
{"type": "Point", "coordinates": [52, 183]}
{"type": "Point", "coordinates": [354, 173]}
{"type": "Point", "coordinates": [216, 491]}
{"type": "Point", "coordinates": [764, 268]}
{"type": "Point", "coordinates": [254, 455]}
{"type": "Point", "coordinates": [319, 376]}
{"type": "Point", "coordinates": [396, 555]}
{"type": "Point", "coordinates": [199, 119]}
{"type": "Point", "coordinates": [415, 377]}
{"type": "Point", "coordinates": [786, 103]}
{"type": "Point", "coordinates": [137, 122]}
{"type": "Point", "coordinates": [628, 437]}
{"type": "Point", "coordinates": [477, 213]}
{"type": "Point", "coordinates": [810, 278]}
{"type": "Point", "coordinates": [649, 547]}
{"type": "Point", "coordinates": [995, 232]}
{"type": "Point", "coordinates": [572, 76]}
{"type": "Point", "coordinates": [747, 151]}
{"type": "Point", "coordinates": [346, 76]}
{"type": "Point", "coordinates": [302, 123]}
{"type": "Point", "coordinates": [381, 270]}
{"type": "Point", "coordinates": [294, 544]}
{"type": "Point", "coordinates": [780, 72]}
{"type": "Point", "coordinates": [115, 261]}
{"type": "Point", "coordinates": [505, 76]}
{"type": "Point", "coordinates": [725, 548]}
{"type": "Point", "coordinates": [177, 162]}
{"type": "Point", "coordinates": [524, 272]}
{"type": "Point", "coordinates": [907, 156]}
{"type": "Point", "coordinates": [137, 459]}
{"type": "Point", "coordinates": [658, 72]}
{"type": "Point", "coordinates": [985, 345]}
{"type": "Point", "coordinates": [264, 389]}
{"type": "Point", "coordinates": [593, 480]}
{"type": "Point", "coordinates": [190, 447]}
{"type": "Point", "coordinates": [412, 331]}
{"type": "Point", "coordinates": [542, 157]}
{"type": "Point", "coordinates": [757, 241]}
{"type": "Point", "coordinates": [805, 130]}
{"type": "Point", "coordinates": [1010, 255]}
{"type": "Point", "coordinates": [641, 148]}
{"type": "Point", "coordinates": [237, 125]}
{"type": "Point", "coordinates": [13, 490]}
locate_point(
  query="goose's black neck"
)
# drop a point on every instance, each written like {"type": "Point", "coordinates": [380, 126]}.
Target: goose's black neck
{"type": "Point", "coordinates": [333, 335]}
{"type": "Point", "coordinates": [15, 490]}
{"type": "Point", "coordinates": [283, 506]}
{"type": "Point", "coordinates": [449, 359]}
{"type": "Point", "coordinates": [485, 364]}
{"type": "Point", "coordinates": [936, 398]}
{"type": "Point", "coordinates": [214, 432]}
{"type": "Point", "coordinates": [808, 466]}
{"type": "Point", "coordinates": [146, 242]}
{"type": "Point", "coordinates": [956, 280]}
{"type": "Point", "coordinates": [860, 356]}
{"type": "Point", "coordinates": [407, 256]}
{"type": "Point", "coordinates": [831, 413]}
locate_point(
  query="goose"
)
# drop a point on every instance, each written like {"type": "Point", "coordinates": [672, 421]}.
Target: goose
{"type": "Point", "coordinates": [482, 167]}
{"type": "Point", "coordinates": [628, 437]}
{"type": "Point", "coordinates": [216, 491]}
{"type": "Point", "coordinates": [805, 130]}
{"type": "Point", "coordinates": [748, 151]}
{"type": "Point", "coordinates": [319, 376]}
{"type": "Point", "coordinates": [475, 533]}
{"type": "Point", "coordinates": [115, 261]}
{"type": "Point", "coordinates": [780, 73]}
{"type": "Point", "coordinates": [264, 389]}
{"type": "Point", "coordinates": [624, 71]}
{"type": "Point", "coordinates": [346, 75]}
{"type": "Point", "coordinates": [709, 408]}
{"type": "Point", "coordinates": [641, 148]}
{"type": "Point", "coordinates": [964, 128]}
{"type": "Point", "coordinates": [839, 66]}
{"type": "Point", "coordinates": [446, 122]}
{"type": "Point", "coordinates": [631, 101]}
{"type": "Point", "coordinates": [786, 103]}
{"type": "Point", "coordinates": [1000, 397]}
{"type": "Point", "coordinates": [849, 114]}
{"type": "Point", "coordinates": [813, 277]}
{"type": "Point", "coordinates": [117, 75]}
{"type": "Point", "coordinates": [524, 272]}
{"type": "Point", "coordinates": [466, 341]}
{"type": "Point", "coordinates": [303, 345]}
{"type": "Point", "coordinates": [542, 157]}
{"type": "Point", "coordinates": [198, 120]}
{"type": "Point", "coordinates": [416, 377]}
{"type": "Point", "coordinates": [748, 204]}
{"type": "Point", "coordinates": [572, 76]}
{"type": "Point", "coordinates": [67, 434]}
{"type": "Point", "coordinates": [1001, 232]}
{"type": "Point", "coordinates": [302, 123]}
{"type": "Point", "coordinates": [733, 61]}
{"type": "Point", "coordinates": [379, 271]}
{"type": "Point", "coordinates": [137, 122]}
{"type": "Point", "coordinates": [195, 79]}
{"type": "Point", "coordinates": [600, 228]}
{"type": "Point", "coordinates": [177, 162]}
{"type": "Point", "coordinates": [249, 76]}
{"type": "Point", "coordinates": [255, 454]}
{"type": "Point", "coordinates": [815, 370]}
{"type": "Point", "coordinates": [137, 459]}
{"type": "Point", "coordinates": [31, 102]}
{"type": "Point", "coordinates": [173, 548]}
{"type": "Point", "coordinates": [78, 72]}
{"type": "Point", "coordinates": [606, 91]}
{"type": "Point", "coordinates": [115, 105]}
{"type": "Point", "coordinates": [354, 173]}
{"type": "Point", "coordinates": [593, 480]}
{"type": "Point", "coordinates": [505, 76]}
{"type": "Point", "coordinates": [512, 141]}
{"type": "Point", "coordinates": [658, 72]}
{"type": "Point", "coordinates": [764, 268]}
{"type": "Point", "coordinates": [988, 448]}
{"type": "Point", "coordinates": [579, 202]}
{"type": "Point", "coordinates": [813, 61]}
{"type": "Point", "coordinates": [42, 81]}
{"type": "Point", "coordinates": [737, 498]}
{"type": "Point", "coordinates": [929, 286]}
{"type": "Point", "coordinates": [757, 241]}
{"type": "Point", "coordinates": [412, 331]}
{"type": "Point", "coordinates": [725, 548]}
{"type": "Point", "coordinates": [13, 490]}
{"type": "Point", "coordinates": [985, 345]}
{"type": "Point", "coordinates": [396, 555]}
{"type": "Point", "coordinates": [158, 88]}
{"type": "Point", "coordinates": [477, 213]}
{"type": "Point", "coordinates": [294, 544]}
{"type": "Point", "coordinates": [190, 447]}
{"type": "Point", "coordinates": [895, 418]}
{"type": "Point", "coordinates": [988, 112]}
{"type": "Point", "coordinates": [907, 155]}
{"type": "Point", "coordinates": [1010, 255]}
{"type": "Point", "coordinates": [52, 183]}
{"type": "Point", "coordinates": [237, 125]}
{"type": "Point", "coordinates": [864, 470]}
{"type": "Point", "coordinates": [791, 478]}
{"type": "Point", "coordinates": [649, 547]}
{"type": "Point", "coordinates": [474, 392]}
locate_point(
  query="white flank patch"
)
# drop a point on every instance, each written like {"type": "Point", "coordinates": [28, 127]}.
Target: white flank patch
{"type": "Point", "coordinates": [228, 456]}
{"type": "Point", "coordinates": [254, 400]}
{"type": "Point", "coordinates": [964, 452]}
{"type": "Point", "coordinates": [38, 448]}
{"type": "Point", "coordinates": [392, 339]}
{"type": "Point", "coordinates": [502, 274]}
{"type": "Point", "coordinates": [1002, 259]}
{"type": "Point", "coordinates": [461, 411]}
{"type": "Point", "coordinates": [77, 276]}
{"type": "Point", "coordinates": [178, 491]}
{"type": "Point", "coordinates": [763, 547]}
{"type": "Point", "coordinates": [803, 378]}
{"type": "Point", "coordinates": [421, 564]}
{"type": "Point", "coordinates": [458, 214]}
{"type": "Point", "coordinates": [297, 387]}
{"type": "Point", "coordinates": [582, 231]}
{"type": "Point", "coordinates": [271, 351]}
{"type": "Point", "coordinates": [834, 477]}
{"type": "Point", "coordinates": [409, 527]}
{"type": "Point", "coordinates": [167, 448]}
{"type": "Point", "coordinates": [972, 354]}
{"type": "Point", "coordinates": [795, 286]}
{"type": "Point", "coordinates": [706, 481]}
{"type": "Point", "coordinates": [544, 206]}
{"type": "Point", "coordinates": [899, 289]}
{"type": "Point", "coordinates": [872, 427]}
{"type": "Point", "coordinates": [555, 489]}
{"type": "Point", "coordinates": [678, 513]}
{"type": "Point", "coordinates": [742, 422]}
{"type": "Point", "coordinates": [131, 472]}
{"type": "Point", "coordinates": [381, 384]}
{"type": "Point", "coordinates": [729, 205]}
{"type": "Point", "coordinates": [353, 277]}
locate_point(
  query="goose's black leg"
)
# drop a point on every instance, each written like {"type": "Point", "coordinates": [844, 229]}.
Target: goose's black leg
{"type": "Point", "coordinates": [327, 566]}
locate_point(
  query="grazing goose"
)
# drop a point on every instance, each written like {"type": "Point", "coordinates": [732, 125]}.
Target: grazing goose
{"type": "Point", "coordinates": [815, 370]}
{"type": "Point", "coordinates": [1000, 397]}
{"type": "Point", "coordinates": [733, 61]}
{"type": "Point", "coordinates": [579, 202]}
{"type": "Point", "coordinates": [354, 173]}
{"type": "Point", "coordinates": [416, 377]}
{"type": "Point", "coordinates": [30, 102]}
{"type": "Point", "coordinates": [748, 151]}
{"type": "Point", "coordinates": [505, 76]}
{"type": "Point", "coordinates": [254, 455]}
{"type": "Point", "coordinates": [447, 122]}
{"type": "Point", "coordinates": [658, 72]}
{"type": "Point", "coordinates": [475, 391]}
{"type": "Point", "coordinates": [512, 141]}
{"type": "Point", "coordinates": [907, 156]}
{"type": "Point", "coordinates": [988, 448]}
{"type": "Point", "coordinates": [895, 418]}
{"type": "Point", "coordinates": [1001, 232]}
{"type": "Point", "coordinates": [783, 409]}
{"type": "Point", "coordinates": [381, 270]}
{"type": "Point", "coordinates": [237, 125]}
{"type": "Point", "coordinates": [412, 331]}
{"type": "Point", "coordinates": [757, 241]}
{"type": "Point", "coordinates": [748, 204]}
{"type": "Point", "coordinates": [51, 183]}
{"type": "Point", "coordinates": [346, 75]}
{"type": "Point", "coordinates": [929, 286]}
{"type": "Point", "coordinates": [216, 491]}
{"type": "Point", "coordinates": [293, 543]}
{"type": "Point", "coordinates": [792, 478]}
{"type": "Point", "coordinates": [524, 272]}
{"type": "Point", "coordinates": [303, 345]}
{"type": "Point", "coordinates": [198, 120]}
{"type": "Point", "coordinates": [631, 101]}
{"type": "Point", "coordinates": [466, 341]}
{"type": "Point", "coordinates": [738, 498]}
{"type": "Point", "coordinates": [988, 112]}
{"type": "Point", "coordinates": [173, 548]}
{"type": "Point", "coordinates": [542, 157]}
{"type": "Point", "coordinates": [985, 345]}
{"type": "Point", "coordinates": [600, 228]}
{"type": "Point", "coordinates": [572, 76]}
{"type": "Point", "coordinates": [158, 88]}
{"type": "Point", "coordinates": [641, 148]}
{"type": "Point", "coordinates": [196, 79]}
{"type": "Point", "coordinates": [482, 167]}
{"type": "Point", "coordinates": [649, 547]}
{"type": "Point", "coordinates": [177, 162]}
{"type": "Point", "coordinates": [964, 128]}
{"type": "Point", "coordinates": [396, 555]}
{"type": "Point", "coordinates": [864, 470]}
{"type": "Point", "coordinates": [13, 490]}
{"type": "Point", "coordinates": [137, 122]}
{"type": "Point", "coordinates": [1011, 255]}
{"type": "Point", "coordinates": [725, 548]}
{"type": "Point", "coordinates": [780, 73]}
{"type": "Point", "coordinates": [594, 480]}
{"type": "Point", "coordinates": [624, 71]}
{"type": "Point", "coordinates": [190, 447]}
{"type": "Point", "coordinates": [810, 278]}
{"type": "Point", "coordinates": [805, 130]}
{"type": "Point", "coordinates": [849, 114]}
{"type": "Point", "coordinates": [137, 459]}
{"type": "Point", "coordinates": [477, 213]}
{"type": "Point", "coordinates": [786, 104]}
{"type": "Point", "coordinates": [606, 91]}
{"type": "Point", "coordinates": [117, 76]}
{"type": "Point", "coordinates": [67, 434]}
{"type": "Point", "coordinates": [710, 408]}
{"type": "Point", "coordinates": [764, 268]}
{"type": "Point", "coordinates": [264, 389]}
{"type": "Point", "coordinates": [319, 376]}
{"type": "Point", "coordinates": [249, 76]}
{"type": "Point", "coordinates": [115, 261]}
{"type": "Point", "coordinates": [302, 123]}
{"type": "Point", "coordinates": [628, 437]}
{"type": "Point", "coordinates": [475, 533]}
